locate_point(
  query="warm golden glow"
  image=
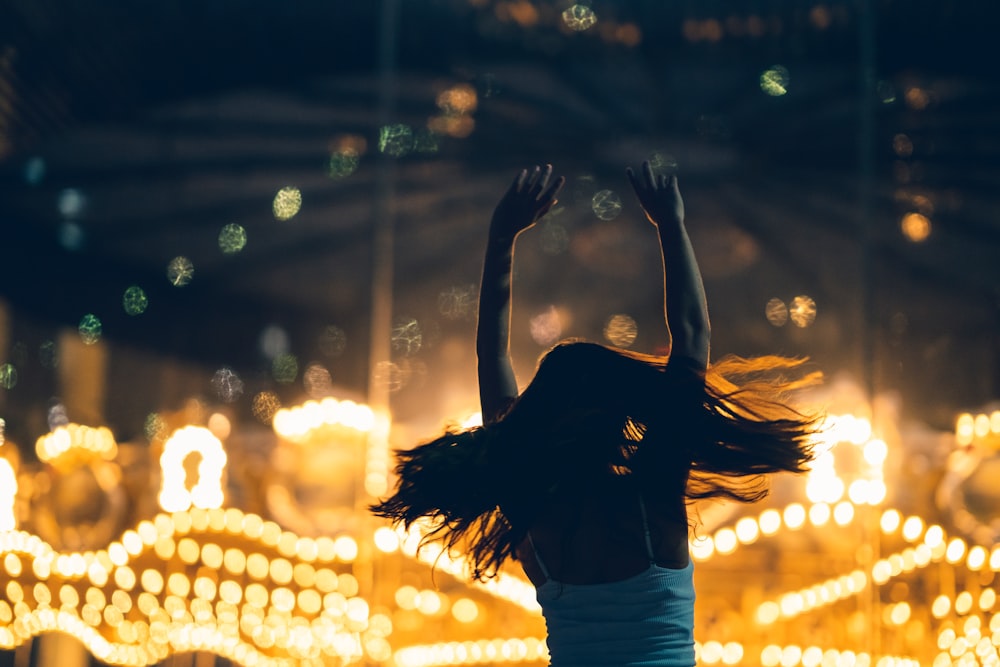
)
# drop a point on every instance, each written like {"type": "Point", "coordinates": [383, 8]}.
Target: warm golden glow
{"type": "Point", "coordinates": [916, 226]}
{"type": "Point", "coordinates": [77, 438]}
{"type": "Point", "coordinates": [207, 492]}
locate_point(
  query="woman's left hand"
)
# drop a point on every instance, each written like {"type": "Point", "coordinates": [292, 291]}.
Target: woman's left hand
{"type": "Point", "coordinates": [529, 197]}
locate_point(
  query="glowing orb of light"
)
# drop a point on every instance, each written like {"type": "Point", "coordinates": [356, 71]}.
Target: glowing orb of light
{"type": "Point", "coordinates": [774, 81]}
{"type": "Point", "coordinates": [180, 271]}
{"type": "Point", "coordinates": [227, 384]}
{"type": "Point", "coordinates": [776, 312]}
{"type": "Point", "coordinates": [621, 330]}
{"type": "Point", "coordinates": [802, 311]}
{"type": "Point", "coordinates": [606, 204]}
{"type": "Point", "coordinates": [8, 376]}
{"type": "Point", "coordinates": [395, 140]}
{"type": "Point", "coordinates": [579, 18]}
{"type": "Point", "coordinates": [233, 238]}
{"type": "Point", "coordinates": [90, 329]}
{"type": "Point", "coordinates": [916, 226]}
{"type": "Point", "coordinates": [287, 203]}
{"type": "Point", "coordinates": [135, 301]}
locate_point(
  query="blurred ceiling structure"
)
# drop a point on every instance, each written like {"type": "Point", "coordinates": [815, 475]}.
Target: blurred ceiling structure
{"type": "Point", "coordinates": [844, 152]}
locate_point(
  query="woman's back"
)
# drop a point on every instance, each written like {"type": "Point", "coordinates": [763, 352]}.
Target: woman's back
{"type": "Point", "coordinates": [614, 583]}
{"type": "Point", "coordinates": [592, 537]}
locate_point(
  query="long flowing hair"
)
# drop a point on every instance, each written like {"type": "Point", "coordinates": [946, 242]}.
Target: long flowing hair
{"type": "Point", "coordinates": [591, 416]}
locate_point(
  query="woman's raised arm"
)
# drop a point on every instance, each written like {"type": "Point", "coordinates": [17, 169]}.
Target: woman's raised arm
{"type": "Point", "coordinates": [686, 308]}
{"type": "Point", "coordinates": [529, 197]}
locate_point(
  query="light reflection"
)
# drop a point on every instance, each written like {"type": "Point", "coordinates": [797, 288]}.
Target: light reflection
{"type": "Point", "coordinates": [776, 312]}
{"type": "Point", "coordinates": [8, 376]}
{"type": "Point", "coordinates": [180, 271]}
{"type": "Point", "coordinates": [621, 330]}
{"type": "Point", "coordinates": [90, 329]}
{"type": "Point", "coordinates": [287, 203]}
{"type": "Point", "coordinates": [71, 203]}
{"type": "Point", "coordinates": [135, 301]}
{"type": "Point", "coordinates": [546, 327]}
{"type": "Point", "coordinates": [395, 140]}
{"type": "Point", "coordinates": [579, 17]}
{"type": "Point", "coordinates": [774, 81]}
{"type": "Point", "coordinates": [174, 495]}
{"type": "Point", "coordinates": [285, 368]}
{"type": "Point", "coordinates": [227, 384]}
{"type": "Point", "coordinates": [233, 238]}
{"type": "Point", "coordinates": [802, 311]}
{"type": "Point", "coordinates": [457, 302]}
{"type": "Point", "coordinates": [606, 204]}
{"type": "Point", "coordinates": [916, 227]}
{"type": "Point", "coordinates": [406, 336]}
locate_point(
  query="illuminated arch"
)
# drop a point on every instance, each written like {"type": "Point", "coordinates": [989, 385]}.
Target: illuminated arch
{"type": "Point", "coordinates": [207, 492]}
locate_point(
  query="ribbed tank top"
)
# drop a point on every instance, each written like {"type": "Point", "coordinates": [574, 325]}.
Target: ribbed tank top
{"type": "Point", "coordinates": [644, 621]}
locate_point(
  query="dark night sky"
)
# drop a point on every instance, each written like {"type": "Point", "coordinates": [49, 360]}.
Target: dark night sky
{"type": "Point", "coordinates": [173, 119]}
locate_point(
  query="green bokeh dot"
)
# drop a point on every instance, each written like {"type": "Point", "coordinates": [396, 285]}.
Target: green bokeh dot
{"type": "Point", "coordinates": [8, 377]}
{"type": "Point", "coordinates": [90, 329]}
{"type": "Point", "coordinates": [135, 301]}
{"type": "Point", "coordinates": [285, 368]}
{"type": "Point", "coordinates": [232, 239]}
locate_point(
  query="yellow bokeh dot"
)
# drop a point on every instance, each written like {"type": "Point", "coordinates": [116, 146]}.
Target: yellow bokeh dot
{"type": "Point", "coordinates": [188, 551]}
{"type": "Point", "coordinates": [465, 610]}
{"type": "Point", "coordinates": [287, 203]}
{"type": "Point", "coordinates": [230, 592]}
{"type": "Point", "coordinates": [178, 584]}
{"type": "Point", "coordinates": [258, 565]}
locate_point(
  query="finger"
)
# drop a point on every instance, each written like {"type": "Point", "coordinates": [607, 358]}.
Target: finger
{"type": "Point", "coordinates": [632, 179]}
{"type": "Point", "coordinates": [544, 180]}
{"type": "Point", "coordinates": [647, 172]}
{"type": "Point", "coordinates": [663, 181]}
{"type": "Point", "coordinates": [519, 180]}
{"type": "Point", "coordinates": [549, 196]}
{"type": "Point", "coordinates": [529, 185]}
{"type": "Point", "coordinates": [673, 182]}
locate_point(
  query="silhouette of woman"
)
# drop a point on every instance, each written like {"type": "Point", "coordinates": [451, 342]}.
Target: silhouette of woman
{"type": "Point", "coordinates": [585, 476]}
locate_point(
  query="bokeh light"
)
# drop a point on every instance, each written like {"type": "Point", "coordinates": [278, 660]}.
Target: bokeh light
{"type": "Point", "coordinates": [71, 203]}
{"type": "Point", "coordinates": [332, 341]}
{"type": "Point", "coordinates": [916, 226]}
{"type": "Point", "coordinates": [546, 327]}
{"type": "Point", "coordinates": [579, 17]}
{"type": "Point", "coordinates": [287, 203]}
{"type": "Point", "coordinates": [406, 336]}
{"type": "Point", "coordinates": [395, 140]}
{"type": "Point", "coordinates": [264, 405]}
{"type": "Point", "coordinates": [621, 330]}
{"type": "Point", "coordinates": [774, 81]}
{"type": "Point", "coordinates": [776, 312]}
{"type": "Point", "coordinates": [457, 302]}
{"type": "Point", "coordinates": [285, 368]}
{"type": "Point", "coordinates": [233, 238]}
{"type": "Point", "coordinates": [135, 301]}
{"type": "Point", "coordinates": [90, 329]}
{"type": "Point", "coordinates": [227, 385]}
{"type": "Point", "coordinates": [802, 311]}
{"type": "Point", "coordinates": [180, 271]}
{"type": "Point", "coordinates": [606, 204]}
{"type": "Point", "coordinates": [8, 376]}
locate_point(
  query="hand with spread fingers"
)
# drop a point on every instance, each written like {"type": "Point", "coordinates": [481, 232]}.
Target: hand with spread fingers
{"type": "Point", "coordinates": [529, 197]}
{"type": "Point", "coordinates": [658, 194]}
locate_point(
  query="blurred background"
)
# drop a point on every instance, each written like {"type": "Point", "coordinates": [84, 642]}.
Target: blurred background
{"type": "Point", "coordinates": [241, 246]}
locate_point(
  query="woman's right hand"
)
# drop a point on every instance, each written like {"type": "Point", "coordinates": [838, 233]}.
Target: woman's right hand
{"type": "Point", "coordinates": [529, 198]}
